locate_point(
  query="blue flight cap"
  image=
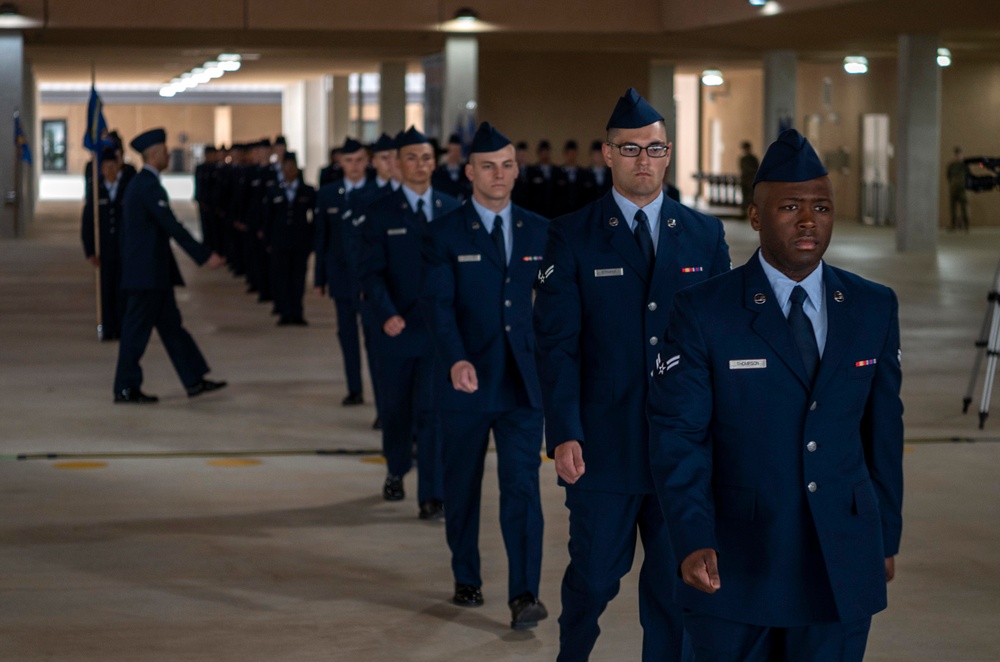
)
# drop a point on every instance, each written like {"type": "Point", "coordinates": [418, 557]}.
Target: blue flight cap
{"type": "Point", "coordinates": [144, 141]}
{"type": "Point", "coordinates": [454, 139]}
{"type": "Point", "coordinates": [632, 112]}
{"type": "Point", "coordinates": [411, 137]}
{"type": "Point", "coordinates": [487, 139]}
{"type": "Point", "coordinates": [385, 143]}
{"type": "Point", "coordinates": [790, 158]}
{"type": "Point", "coordinates": [351, 146]}
{"type": "Point", "coordinates": [290, 156]}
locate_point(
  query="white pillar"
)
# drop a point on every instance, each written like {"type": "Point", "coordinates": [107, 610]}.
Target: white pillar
{"type": "Point", "coordinates": [780, 72]}
{"type": "Point", "coordinates": [392, 97]}
{"type": "Point", "coordinates": [316, 138]}
{"type": "Point", "coordinates": [461, 83]}
{"type": "Point", "coordinates": [223, 134]}
{"type": "Point", "coordinates": [340, 109]}
{"type": "Point", "coordinates": [293, 117]}
{"type": "Point", "coordinates": [918, 172]}
{"type": "Point", "coordinates": [661, 96]}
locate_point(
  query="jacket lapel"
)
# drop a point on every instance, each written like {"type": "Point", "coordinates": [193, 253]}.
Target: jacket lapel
{"type": "Point", "coordinates": [480, 235]}
{"type": "Point", "coordinates": [841, 318]}
{"type": "Point", "coordinates": [769, 322]}
{"type": "Point", "coordinates": [617, 231]}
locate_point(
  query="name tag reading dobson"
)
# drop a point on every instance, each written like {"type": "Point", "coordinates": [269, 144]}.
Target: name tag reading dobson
{"type": "Point", "coordinates": [470, 258]}
{"type": "Point", "coordinates": [747, 364]}
{"type": "Point", "coordinates": [604, 273]}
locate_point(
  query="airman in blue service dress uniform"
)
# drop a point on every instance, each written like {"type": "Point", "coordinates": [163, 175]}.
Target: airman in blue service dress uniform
{"type": "Point", "coordinates": [391, 274]}
{"type": "Point", "coordinates": [776, 436]}
{"type": "Point", "coordinates": [481, 261]}
{"type": "Point", "coordinates": [603, 292]}
{"type": "Point", "coordinates": [288, 236]}
{"type": "Point", "coordinates": [340, 212]}
{"type": "Point", "coordinates": [111, 187]}
{"type": "Point", "coordinates": [450, 177]}
{"type": "Point", "coordinates": [149, 274]}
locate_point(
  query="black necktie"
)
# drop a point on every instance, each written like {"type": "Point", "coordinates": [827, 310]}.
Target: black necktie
{"type": "Point", "coordinates": [802, 331]}
{"type": "Point", "coordinates": [497, 235]}
{"type": "Point", "coordinates": [420, 210]}
{"type": "Point", "coordinates": [644, 238]}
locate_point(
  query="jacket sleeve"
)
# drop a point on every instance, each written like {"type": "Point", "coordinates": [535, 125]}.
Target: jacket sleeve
{"type": "Point", "coordinates": [557, 319]}
{"type": "Point", "coordinates": [87, 226]}
{"type": "Point", "coordinates": [321, 237]}
{"type": "Point", "coordinates": [437, 300]}
{"type": "Point", "coordinates": [372, 269]}
{"type": "Point", "coordinates": [679, 409]}
{"type": "Point", "coordinates": [882, 435]}
{"type": "Point", "coordinates": [158, 208]}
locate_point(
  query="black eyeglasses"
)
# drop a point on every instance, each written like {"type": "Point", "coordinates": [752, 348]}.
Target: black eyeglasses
{"type": "Point", "coordinates": [631, 150]}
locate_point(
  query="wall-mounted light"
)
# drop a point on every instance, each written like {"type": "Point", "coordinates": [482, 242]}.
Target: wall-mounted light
{"type": "Point", "coordinates": [856, 64]}
{"type": "Point", "coordinates": [211, 70]}
{"type": "Point", "coordinates": [757, 3]}
{"type": "Point", "coordinates": [466, 19]}
{"type": "Point", "coordinates": [12, 19]}
{"type": "Point", "coordinates": [712, 78]}
{"type": "Point", "coordinates": [944, 57]}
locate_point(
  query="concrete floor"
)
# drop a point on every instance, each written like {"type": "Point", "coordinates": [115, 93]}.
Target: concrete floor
{"type": "Point", "coordinates": [181, 552]}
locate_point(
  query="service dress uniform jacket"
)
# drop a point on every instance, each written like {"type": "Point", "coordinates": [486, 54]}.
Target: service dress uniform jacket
{"type": "Point", "coordinates": [149, 274]}
{"type": "Point", "coordinates": [479, 309]}
{"type": "Point", "coordinates": [109, 231]}
{"type": "Point", "coordinates": [458, 187]}
{"type": "Point", "coordinates": [598, 322]}
{"type": "Point", "coordinates": [798, 488]}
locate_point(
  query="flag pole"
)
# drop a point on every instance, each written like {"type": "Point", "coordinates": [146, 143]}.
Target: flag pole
{"type": "Point", "coordinates": [97, 211]}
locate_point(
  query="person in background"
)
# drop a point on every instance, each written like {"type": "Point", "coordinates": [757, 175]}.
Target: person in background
{"type": "Point", "coordinates": [288, 235]}
{"type": "Point", "coordinates": [958, 197]}
{"type": "Point", "coordinates": [748, 170]}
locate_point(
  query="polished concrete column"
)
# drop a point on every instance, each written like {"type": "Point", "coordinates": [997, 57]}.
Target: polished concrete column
{"type": "Point", "coordinates": [293, 116]}
{"type": "Point", "coordinates": [780, 75]}
{"type": "Point", "coordinates": [223, 133]}
{"type": "Point", "coordinates": [316, 139]}
{"type": "Point", "coordinates": [392, 97]}
{"type": "Point", "coordinates": [340, 109]}
{"type": "Point", "coordinates": [11, 101]}
{"type": "Point", "coordinates": [661, 96]}
{"type": "Point", "coordinates": [461, 83]}
{"type": "Point", "coordinates": [918, 149]}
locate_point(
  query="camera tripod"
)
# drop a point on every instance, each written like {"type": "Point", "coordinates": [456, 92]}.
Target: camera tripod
{"type": "Point", "coordinates": [988, 345]}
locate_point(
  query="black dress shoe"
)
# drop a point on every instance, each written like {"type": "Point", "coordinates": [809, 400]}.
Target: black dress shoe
{"type": "Point", "coordinates": [432, 510]}
{"type": "Point", "coordinates": [525, 612]}
{"type": "Point", "coordinates": [467, 596]}
{"type": "Point", "coordinates": [204, 386]}
{"type": "Point", "coordinates": [393, 489]}
{"type": "Point", "coordinates": [134, 396]}
{"type": "Point", "coordinates": [377, 424]}
{"type": "Point", "coordinates": [284, 321]}
{"type": "Point", "coordinates": [353, 399]}
{"type": "Point", "coordinates": [298, 321]}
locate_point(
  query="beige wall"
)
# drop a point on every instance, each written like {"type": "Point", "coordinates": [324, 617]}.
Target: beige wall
{"type": "Point", "coordinates": [571, 95]}
{"type": "Point", "coordinates": [197, 122]}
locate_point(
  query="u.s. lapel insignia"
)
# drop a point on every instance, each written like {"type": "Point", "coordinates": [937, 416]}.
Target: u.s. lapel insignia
{"type": "Point", "coordinates": [341, 190]}
{"type": "Point", "coordinates": [671, 223]}
{"type": "Point", "coordinates": [437, 203]}
{"type": "Point", "coordinates": [519, 224]}
{"type": "Point", "coordinates": [759, 298]}
{"type": "Point", "coordinates": [476, 226]}
{"type": "Point", "coordinates": [838, 296]}
{"type": "Point", "coordinates": [613, 222]}
{"type": "Point", "coordinates": [404, 205]}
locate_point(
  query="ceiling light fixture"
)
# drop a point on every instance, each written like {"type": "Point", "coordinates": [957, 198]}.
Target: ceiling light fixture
{"type": "Point", "coordinates": [712, 78]}
{"type": "Point", "coordinates": [944, 57]}
{"type": "Point", "coordinates": [757, 3]}
{"type": "Point", "coordinates": [12, 19]}
{"type": "Point", "coordinates": [856, 64]}
{"type": "Point", "coordinates": [211, 70]}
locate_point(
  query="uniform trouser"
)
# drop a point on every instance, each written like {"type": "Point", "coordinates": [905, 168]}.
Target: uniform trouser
{"type": "Point", "coordinates": [288, 281]}
{"type": "Point", "coordinates": [257, 262]}
{"type": "Point", "coordinates": [112, 299]}
{"type": "Point", "coordinates": [350, 342]}
{"type": "Point", "coordinates": [959, 210]}
{"type": "Point", "coordinates": [602, 536]}
{"type": "Point", "coordinates": [144, 311]}
{"type": "Point", "coordinates": [408, 415]}
{"type": "Point", "coordinates": [234, 248]}
{"type": "Point", "coordinates": [518, 438]}
{"type": "Point", "coordinates": [719, 640]}
{"type": "Point", "coordinates": [370, 328]}
{"type": "Point", "coordinates": [205, 214]}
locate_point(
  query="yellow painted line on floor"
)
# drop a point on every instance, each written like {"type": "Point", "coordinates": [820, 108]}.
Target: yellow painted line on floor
{"type": "Point", "coordinates": [79, 465]}
{"type": "Point", "coordinates": [373, 460]}
{"type": "Point", "coordinates": [234, 462]}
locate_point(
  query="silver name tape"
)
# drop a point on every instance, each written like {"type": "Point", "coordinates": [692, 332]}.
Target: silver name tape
{"type": "Point", "coordinates": [332, 210]}
{"type": "Point", "coordinates": [394, 231]}
{"type": "Point", "coordinates": [470, 258]}
{"type": "Point", "coordinates": [747, 364]}
{"type": "Point", "coordinates": [602, 273]}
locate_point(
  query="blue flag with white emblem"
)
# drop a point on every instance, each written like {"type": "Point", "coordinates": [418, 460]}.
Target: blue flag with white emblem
{"type": "Point", "coordinates": [21, 140]}
{"type": "Point", "coordinates": [97, 129]}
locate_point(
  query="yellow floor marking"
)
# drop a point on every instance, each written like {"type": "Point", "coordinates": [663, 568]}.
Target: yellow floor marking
{"type": "Point", "coordinates": [79, 465]}
{"type": "Point", "coordinates": [373, 460]}
{"type": "Point", "coordinates": [233, 462]}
